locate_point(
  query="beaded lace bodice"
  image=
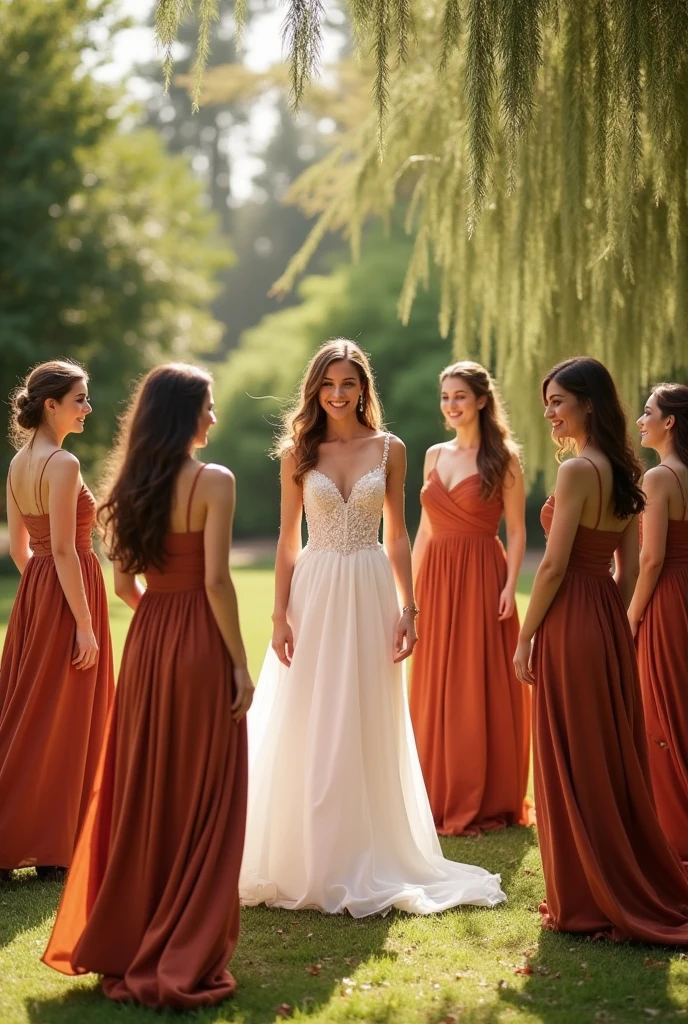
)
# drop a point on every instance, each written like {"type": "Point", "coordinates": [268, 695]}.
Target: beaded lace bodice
{"type": "Point", "coordinates": [345, 526]}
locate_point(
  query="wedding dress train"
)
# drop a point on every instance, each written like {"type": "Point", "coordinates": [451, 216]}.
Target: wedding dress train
{"type": "Point", "coordinates": [338, 817]}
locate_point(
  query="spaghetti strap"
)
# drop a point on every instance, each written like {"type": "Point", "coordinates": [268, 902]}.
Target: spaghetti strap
{"type": "Point", "coordinates": [37, 492]}
{"type": "Point", "coordinates": [386, 451]}
{"type": "Point", "coordinates": [683, 497]}
{"type": "Point", "coordinates": [599, 482]}
{"type": "Point", "coordinates": [191, 494]}
{"type": "Point", "coordinates": [9, 482]}
{"type": "Point", "coordinates": [437, 458]}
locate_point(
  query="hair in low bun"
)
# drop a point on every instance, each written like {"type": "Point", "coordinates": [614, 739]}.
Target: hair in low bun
{"type": "Point", "coordinates": [54, 379]}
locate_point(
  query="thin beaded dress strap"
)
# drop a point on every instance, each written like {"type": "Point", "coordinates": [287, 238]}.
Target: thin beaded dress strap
{"type": "Point", "coordinates": [191, 494]}
{"type": "Point", "coordinates": [599, 484]}
{"type": "Point", "coordinates": [683, 497]}
{"type": "Point", "coordinates": [385, 452]}
{"type": "Point", "coordinates": [37, 493]}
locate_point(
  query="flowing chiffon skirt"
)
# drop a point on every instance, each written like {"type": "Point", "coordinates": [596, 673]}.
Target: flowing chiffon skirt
{"type": "Point", "coordinates": [339, 818]}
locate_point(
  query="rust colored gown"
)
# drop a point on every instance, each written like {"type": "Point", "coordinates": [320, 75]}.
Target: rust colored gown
{"type": "Point", "coordinates": [662, 645]}
{"type": "Point", "coordinates": [52, 716]}
{"type": "Point", "coordinates": [151, 900]}
{"type": "Point", "coordinates": [608, 867]}
{"type": "Point", "coordinates": [471, 715]}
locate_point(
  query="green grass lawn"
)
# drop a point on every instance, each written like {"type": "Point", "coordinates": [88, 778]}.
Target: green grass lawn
{"type": "Point", "coordinates": [465, 966]}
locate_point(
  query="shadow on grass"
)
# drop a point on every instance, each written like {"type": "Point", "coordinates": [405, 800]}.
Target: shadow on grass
{"type": "Point", "coordinates": [603, 981]}
{"type": "Point", "coordinates": [25, 903]}
{"type": "Point", "coordinates": [500, 852]}
{"type": "Point", "coordinates": [291, 960]}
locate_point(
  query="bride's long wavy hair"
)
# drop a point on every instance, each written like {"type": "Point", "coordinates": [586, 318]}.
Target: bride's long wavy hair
{"type": "Point", "coordinates": [155, 437]}
{"type": "Point", "coordinates": [497, 446]}
{"type": "Point", "coordinates": [305, 424]}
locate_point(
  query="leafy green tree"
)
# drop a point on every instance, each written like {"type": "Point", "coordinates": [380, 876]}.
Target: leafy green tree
{"type": "Point", "coordinates": [358, 302]}
{"type": "Point", "coordinates": [108, 253]}
{"type": "Point", "coordinates": [540, 148]}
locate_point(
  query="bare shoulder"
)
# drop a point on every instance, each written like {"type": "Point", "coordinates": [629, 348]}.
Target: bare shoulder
{"type": "Point", "coordinates": [397, 452]}
{"type": "Point", "coordinates": [657, 482]}
{"type": "Point", "coordinates": [514, 470]}
{"type": "Point", "coordinates": [575, 473]}
{"type": "Point", "coordinates": [63, 464]}
{"type": "Point", "coordinates": [217, 481]}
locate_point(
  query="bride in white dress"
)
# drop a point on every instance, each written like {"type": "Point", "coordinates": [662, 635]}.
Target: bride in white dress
{"type": "Point", "coordinates": [338, 816]}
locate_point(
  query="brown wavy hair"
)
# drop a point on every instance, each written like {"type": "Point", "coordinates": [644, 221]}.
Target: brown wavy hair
{"type": "Point", "coordinates": [53, 379]}
{"type": "Point", "coordinates": [154, 441]}
{"type": "Point", "coordinates": [589, 380]}
{"type": "Point", "coordinates": [672, 400]}
{"type": "Point", "coordinates": [497, 446]}
{"type": "Point", "coordinates": [305, 425]}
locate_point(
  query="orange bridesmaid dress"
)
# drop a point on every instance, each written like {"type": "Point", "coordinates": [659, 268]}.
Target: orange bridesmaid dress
{"type": "Point", "coordinates": [608, 867]}
{"type": "Point", "coordinates": [662, 645]}
{"type": "Point", "coordinates": [52, 716]}
{"type": "Point", "coordinates": [151, 901]}
{"type": "Point", "coordinates": [471, 716]}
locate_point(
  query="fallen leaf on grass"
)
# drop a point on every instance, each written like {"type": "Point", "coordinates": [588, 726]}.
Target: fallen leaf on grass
{"type": "Point", "coordinates": [649, 962]}
{"type": "Point", "coordinates": [502, 984]}
{"type": "Point", "coordinates": [350, 961]}
{"type": "Point", "coordinates": [524, 970]}
{"type": "Point", "coordinates": [314, 969]}
{"type": "Point", "coordinates": [284, 1010]}
{"type": "Point", "coordinates": [527, 952]}
{"type": "Point", "coordinates": [651, 1013]}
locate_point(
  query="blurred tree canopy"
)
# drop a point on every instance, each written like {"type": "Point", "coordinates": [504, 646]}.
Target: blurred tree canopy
{"type": "Point", "coordinates": [539, 149]}
{"type": "Point", "coordinates": [262, 375]}
{"type": "Point", "coordinates": [108, 253]}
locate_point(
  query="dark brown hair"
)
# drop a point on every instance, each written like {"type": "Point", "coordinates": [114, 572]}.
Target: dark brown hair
{"type": "Point", "coordinates": [672, 400]}
{"type": "Point", "coordinates": [53, 379]}
{"type": "Point", "coordinates": [497, 446]}
{"type": "Point", "coordinates": [305, 425]}
{"type": "Point", "coordinates": [154, 440]}
{"type": "Point", "coordinates": [589, 380]}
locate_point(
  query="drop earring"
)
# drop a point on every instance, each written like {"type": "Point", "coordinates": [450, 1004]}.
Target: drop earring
{"type": "Point", "coordinates": [360, 403]}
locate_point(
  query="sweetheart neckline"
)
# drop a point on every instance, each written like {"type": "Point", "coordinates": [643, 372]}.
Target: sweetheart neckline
{"type": "Point", "coordinates": [345, 501]}
{"type": "Point", "coordinates": [450, 490]}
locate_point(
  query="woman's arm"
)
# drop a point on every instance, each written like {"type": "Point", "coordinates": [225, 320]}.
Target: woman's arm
{"type": "Point", "coordinates": [398, 547]}
{"type": "Point", "coordinates": [627, 558]}
{"type": "Point", "coordinates": [570, 495]}
{"type": "Point", "coordinates": [20, 551]}
{"type": "Point", "coordinates": [655, 526]}
{"type": "Point", "coordinates": [288, 550]}
{"type": "Point", "coordinates": [424, 532]}
{"type": "Point", "coordinates": [127, 586]}
{"type": "Point", "coordinates": [219, 493]}
{"type": "Point", "coordinates": [514, 498]}
{"type": "Point", "coordinates": [64, 481]}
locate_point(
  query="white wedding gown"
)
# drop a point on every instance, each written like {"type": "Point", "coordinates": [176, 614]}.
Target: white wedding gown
{"type": "Point", "coordinates": [338, 816]}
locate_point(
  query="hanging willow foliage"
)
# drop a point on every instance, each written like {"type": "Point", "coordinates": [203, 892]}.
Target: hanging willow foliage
{"type": "Point", "coordinates": [582, 242]}
{"type": "Point", "coordinates": [540, 150]}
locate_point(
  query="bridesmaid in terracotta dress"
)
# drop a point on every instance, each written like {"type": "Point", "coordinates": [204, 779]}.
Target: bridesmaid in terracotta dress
{"type": "Point", "coordinates": [471, 716]}
{"type": "Point", "coordinates": [658, 613]}
{"type": "Point", "coordinates": [608, 867]}
{"type": "Point", "coordinates": [151, 900]}
{"type": "Point", "coordinates": [56, 674]}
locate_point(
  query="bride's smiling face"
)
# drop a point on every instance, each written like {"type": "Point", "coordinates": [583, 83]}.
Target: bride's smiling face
{"type": "Point", "coordinates": [340, 389]}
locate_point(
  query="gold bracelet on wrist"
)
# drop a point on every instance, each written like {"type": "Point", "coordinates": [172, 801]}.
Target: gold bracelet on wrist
{"type": "Point", "coordinates": [410, 608]}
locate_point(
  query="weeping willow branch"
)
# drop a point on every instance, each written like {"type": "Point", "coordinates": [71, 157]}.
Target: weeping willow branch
{"type": "Point", "coordinates": [547, 272]}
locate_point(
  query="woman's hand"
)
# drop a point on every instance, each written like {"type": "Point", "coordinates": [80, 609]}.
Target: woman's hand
{"type": "Point", "coordinates": [523, 661]}
{"type": "Point", "coordinates": [634, 622]}
{"type": "Point", "coordinates": [283, 641]}
{"type": "Point", "coordinates": [507, 604]}
{"type": "Point", "coordinates": [85, 648]}
{"type": "Point", "coordinates": [243, 685]}
{"type": "Point", "coordinates": [405, 638]}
